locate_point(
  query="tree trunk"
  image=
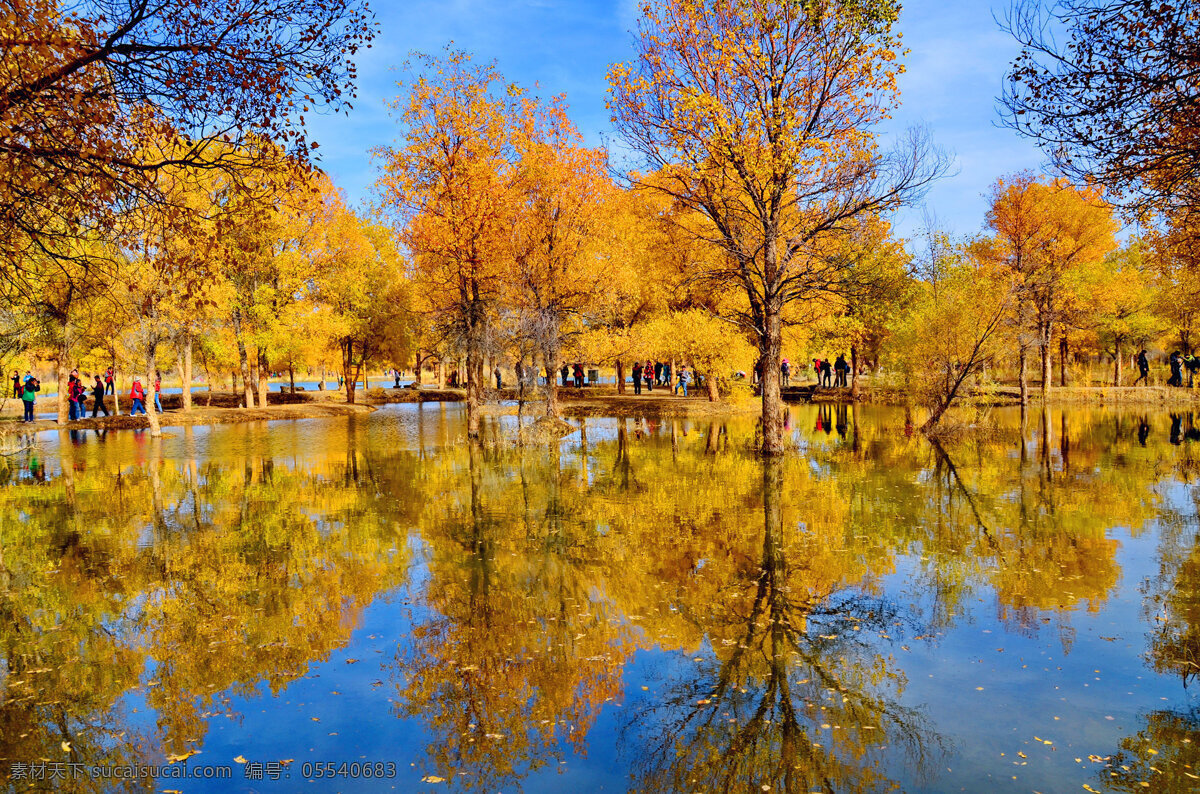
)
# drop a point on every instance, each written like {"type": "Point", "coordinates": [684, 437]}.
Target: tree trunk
{"type": "Point", "coordinates": [1062, 361]}
{"type": "Point", "coordinates": [1023, 373]}
{"type": "Point", "coordinates": [264, 374]}
{"type": "Point", "coordinates": [116, 385]}
{"type": "Point", "coordinates": [853, 372]}
{"type": "Point", "coordinates": [351, 376]}
{"type": "Point", "coordinates": [292, 377]}
{"type": "Point", "coordinates": [770, 349]}
{"type": "Point", "coordinates": [63, 374]}
{"type": "Point", "coordinates": [710, 383]}
{"type": "Point", "coordinates": [473, 389]}
{"type": "Point", "coordinates": [151, 391]}
{"type": "Point", "coordinates": [552, 386]}
{"type": "Point", "coordinates": [243, 359]}
{"type": "Point", "coordinates": [186, 373]}
{"type": "Point", "coordinates": [1117, 363]}
{"type": "Point", "coordinates": [441, 372]}
{"type": "Point", "coordinates": [1046, 374]}
{"type": "Point", "coordinates": [620, 376]}
{"type": "Point", "coordinates": [417, 370]}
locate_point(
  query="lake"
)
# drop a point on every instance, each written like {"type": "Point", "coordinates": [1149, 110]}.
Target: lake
{"type": "Point", "coordinates": [373, 604]}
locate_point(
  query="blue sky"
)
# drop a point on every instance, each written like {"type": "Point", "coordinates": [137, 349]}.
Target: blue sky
{"type": "Point", "coordinates": [955, 66]}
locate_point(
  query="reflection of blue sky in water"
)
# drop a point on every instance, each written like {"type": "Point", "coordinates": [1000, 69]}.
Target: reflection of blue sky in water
{"type": "Point", "coordinates": [1033, 666]}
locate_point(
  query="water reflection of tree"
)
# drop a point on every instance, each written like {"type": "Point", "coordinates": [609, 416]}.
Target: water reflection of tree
{"type": "Point", "coordinates": [515, 650]}
{"type": "Point", "coordinates": [796, 695]}
{"type": "Point", "coordinates": [1163, 756]}
{"type": "Point", "coordinates": [182, 582]}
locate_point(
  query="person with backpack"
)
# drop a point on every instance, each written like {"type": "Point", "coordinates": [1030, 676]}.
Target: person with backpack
{"type": "Point", "coordinates": [841, 366]}
{"type": "Point", "coordinates": [577, 372]}
{"type": "Point", "coordinates": [29, 392]}
{"type": "Point", "coordinates": [98, 398]}
{"type": "Point", "coordinates": [136, 396]}
{"type": "Point", "coordinates": [75, 392]}
{"type": "Point", "coordinates": [110, 382]}
{"type": "Point", "coordinates": [1143, 365]}
{"type": "Point", "coordinates": [637, 377]}
{"type": "Point", "coordinates": [785, 371]}
{"type": "Point", "coordinates": [826, 374]}
{"type": "Point", "coordinates": [1176, 362]}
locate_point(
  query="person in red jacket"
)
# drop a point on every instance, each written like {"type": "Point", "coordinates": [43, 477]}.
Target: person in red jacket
{"type": "Point", "coordinates": [136, 395]}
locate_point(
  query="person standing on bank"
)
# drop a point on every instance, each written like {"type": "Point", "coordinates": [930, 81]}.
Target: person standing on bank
{"type": "Point", "coordinates": [29, 392]}
{"type": "Point", "coordinates": [1176, 362]}
{"type": "Point", "coordinates": [785, 371]}
{"type": "Point", "coordinates": [637, 377]}
{"type": "Point", "coordinates": [16, 380]}
{"type": "Point", "coordinates": [157, 389]}
{"type": "Point", "coordinates": [110, 382]}
{"type": "Point", "coordinates": [74, 392]}
{"type": "Point", "coordinates": [648, 374]}
{"type": "Point", "coordinates": [1143, 365]}
{"type": "Point", "coordinates": [98, 398]}
{"type": "Point", "coordinates": [136, 395]}
{"type": "Point", "coordinates": [841, 366]}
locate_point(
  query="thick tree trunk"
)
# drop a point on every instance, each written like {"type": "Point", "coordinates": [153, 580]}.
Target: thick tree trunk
{"type": "Point", "coordinates": [420, 365]}
{"type": "Point", "coordinates": [1023, 373]}
{"type": "Point", "coordinates": [853, 372]}
{"type": "Point", "coordinates": [620, 376]}
{"type": "Point", "coordinates": [710, 383]}
{"type": "Point", "coordinates": [151, 391]}
{"type": "Point", "coordinates": [292, 377]}
{"type": "Point", "coordinates": [62, 405]}
{"type": "Point", "coordinates": [552, 387]}
{"type": "Point", "coordinates": [441, 374]}
{"type": "Point", "coordinates": [1063, 349]}
{"type": "Point", "coordinates": [264, 374]}
{"type": "Point", "coordinates": [186, 373]}
{"type": "Point", "coordinates": [350, 375]}
{"type": "Point", "coordinates": [1046, 373]}
{"type": "Point", "coordinates": [770, 348]}
{"type": "Point", "coordinates": [473, 393]}
{"type": "Point", "coordinates": [1117, 364]}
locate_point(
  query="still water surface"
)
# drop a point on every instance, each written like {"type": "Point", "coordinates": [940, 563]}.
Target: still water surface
{"type": "Point", "coordinates": [646, 606]}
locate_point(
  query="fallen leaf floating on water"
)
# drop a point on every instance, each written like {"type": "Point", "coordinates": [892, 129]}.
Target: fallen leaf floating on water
{"type": "Point", "coordinates": [241, 759]}
{"type": "Point", "coordinates": [174, 759]}
{"type": "Point", "coordinates": [433, 779]}
{"type": "Point", "coordinates": [66, 746]}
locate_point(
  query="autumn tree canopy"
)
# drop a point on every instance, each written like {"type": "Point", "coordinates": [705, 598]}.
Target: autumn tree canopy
{"type": "Point", "coordinates": [761, 115]}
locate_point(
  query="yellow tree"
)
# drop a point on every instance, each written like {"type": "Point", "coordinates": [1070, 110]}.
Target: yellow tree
{"type": "Point", "coordinates": [448, 189]}
{"type": "Point", "coordinates": [559, 271]}
{"type": "Point", "coordinates": [361, 285]}
{"type": "Point", "coordinates": [760, 115]}
{"type": "Point", "coordinates": [1043, 233]}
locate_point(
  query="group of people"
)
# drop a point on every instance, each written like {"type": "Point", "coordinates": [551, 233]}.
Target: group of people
{"type": "Point", "coordinates": [1177, 361]}
{"type": "Point", "coordinates": [26, 389]}
{"type": "Point", "coordinates": [572, 375]}
{"type": "Point", "coordinates": [658, 373]}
